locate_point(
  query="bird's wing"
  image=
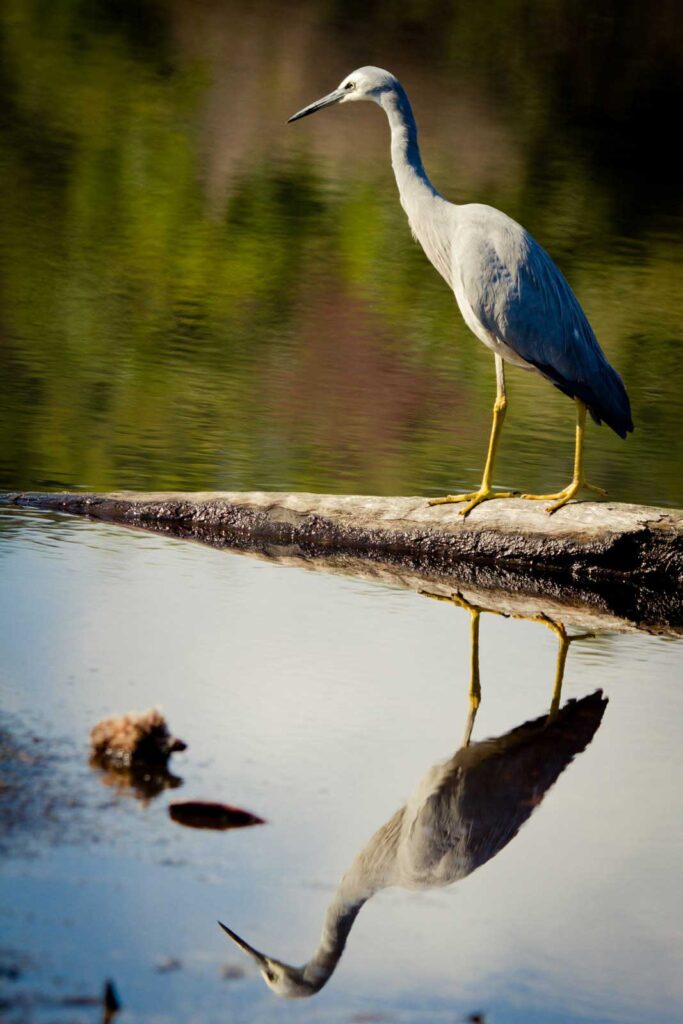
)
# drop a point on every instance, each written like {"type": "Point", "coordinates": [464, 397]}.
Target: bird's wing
{"type": "Point", "coordinates": [485, 793]}
{"type": "Point", "coordinates": [522, 298]}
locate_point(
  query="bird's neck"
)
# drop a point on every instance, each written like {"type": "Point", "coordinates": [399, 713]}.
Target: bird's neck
{"type": "Point", "coordinates": [413, 184]}
{"type": "Point", "coordinates": [338, 923]}
{"type": "Point", "coordinates": [423, 205]}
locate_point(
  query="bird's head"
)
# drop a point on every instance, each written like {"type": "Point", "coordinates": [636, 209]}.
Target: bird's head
{"type": "Point", "coordinates": [283, 979]}
{"type": "Point", "coordinates": [363, 84]}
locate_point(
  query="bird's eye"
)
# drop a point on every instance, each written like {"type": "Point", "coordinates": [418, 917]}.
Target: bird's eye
{"type": "Point", "coordinates": [349, 85]}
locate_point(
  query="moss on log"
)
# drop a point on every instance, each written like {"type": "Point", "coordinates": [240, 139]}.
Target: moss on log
{"type": "Point", "coordinates": [622, 563]}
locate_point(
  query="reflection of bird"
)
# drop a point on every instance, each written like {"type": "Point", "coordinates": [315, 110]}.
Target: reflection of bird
{"type": "Point", "coordinates": [462, 814]}
{"type": "Point", "coordinates": [510, 293]}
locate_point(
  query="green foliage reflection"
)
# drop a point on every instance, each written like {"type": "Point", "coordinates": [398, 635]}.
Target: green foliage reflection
{"type": "Point", "coordinates": [288, 334]}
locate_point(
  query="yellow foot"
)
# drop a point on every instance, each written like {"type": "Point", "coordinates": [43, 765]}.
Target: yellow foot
{"type": "Point", "coordinates": [558, 628]}
{"type": "Point", "coordinates": [473, 499]}
{"type": "Point", "coordinates": [561, 498]}
{"type": "Point", "coordinates": [456, 598]}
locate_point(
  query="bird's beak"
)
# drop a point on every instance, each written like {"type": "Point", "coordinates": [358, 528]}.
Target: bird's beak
{"type": "Point", "coordinates": [260, 959]}
{"type": "Point", "coordinates": [326, 101]}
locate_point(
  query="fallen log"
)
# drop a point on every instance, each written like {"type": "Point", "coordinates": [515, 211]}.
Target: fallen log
{"type": "Point", "coordinates": [623, 562]}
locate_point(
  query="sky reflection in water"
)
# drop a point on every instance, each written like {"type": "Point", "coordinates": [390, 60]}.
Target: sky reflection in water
{"type": "Point", "coordinates": [325, 731]}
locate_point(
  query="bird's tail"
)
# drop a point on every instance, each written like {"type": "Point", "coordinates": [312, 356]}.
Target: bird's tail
{"type": "Point", "coordinates": [606, 399]}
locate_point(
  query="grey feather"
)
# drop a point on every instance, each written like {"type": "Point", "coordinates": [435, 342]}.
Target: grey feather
{"type": "Point", "coordinates": [510, 292]}
{"type": "Point", "coordinates": [521, 297]}
{"type": "Point", "coordinates": [462, 814]}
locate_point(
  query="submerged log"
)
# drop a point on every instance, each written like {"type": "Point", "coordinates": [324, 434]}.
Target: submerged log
{"type": "Point", "coordinates": [619, 561]}
{"type": "Point", "coordinates": [207, 814]}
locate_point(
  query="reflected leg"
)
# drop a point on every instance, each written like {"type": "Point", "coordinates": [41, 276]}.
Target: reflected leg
{"type": "Point", "coordinates": [560, 664]}
{"type": "Point", "coordinates": [475, 682]}
{"type": "Point", "coordinates": [565, 640]}
{"type": "Point", "coordinates": [485, 492]}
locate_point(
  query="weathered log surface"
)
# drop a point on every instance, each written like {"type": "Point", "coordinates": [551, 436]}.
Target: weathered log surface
{"type": "Point", "coordinates": [623, 562]}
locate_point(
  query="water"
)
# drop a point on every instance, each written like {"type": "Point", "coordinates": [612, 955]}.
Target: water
{"type": "Point", "coordinates": [319, 703]}
{"type": "Point", "coordinates": [196, 295]}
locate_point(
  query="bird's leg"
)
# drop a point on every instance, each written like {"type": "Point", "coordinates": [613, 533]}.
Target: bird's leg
{"type": "Point", "coordinates": [560, 664]}
{"type": "Point", "coordinates": [475, 682]}
{"type": "Point", "coordinates": [486, 492]}
{"type": "Point", "coordinates": [578, 480]}
{"type": "Point", "coordinates": [565, 640]}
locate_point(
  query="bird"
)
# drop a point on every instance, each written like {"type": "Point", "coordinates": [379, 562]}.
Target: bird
{"type": "Point", "coordinates": [462, 814]}
{"type": "Point", "coordinates": [512, 295]}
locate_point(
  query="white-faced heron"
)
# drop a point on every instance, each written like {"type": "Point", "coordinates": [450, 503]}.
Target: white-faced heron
{"type": "Point", "coordinates": [462, 814]}
{"type": "Point", "coordinates": [510, 292]}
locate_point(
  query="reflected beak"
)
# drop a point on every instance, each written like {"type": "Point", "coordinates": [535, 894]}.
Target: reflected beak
{"type": "Point", "coordinates": [326, 101]}
{"type": "Point", "coordinates": [260, 959]}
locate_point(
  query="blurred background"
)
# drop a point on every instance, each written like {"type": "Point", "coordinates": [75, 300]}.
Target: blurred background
{"type": "Point", "coordinates": [194, 294]}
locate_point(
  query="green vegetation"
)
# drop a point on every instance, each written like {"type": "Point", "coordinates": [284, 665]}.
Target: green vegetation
{"type": "Point", "coordinates": [289, 334]}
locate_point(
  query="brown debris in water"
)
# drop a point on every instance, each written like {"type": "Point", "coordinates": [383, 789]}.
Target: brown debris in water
{"type": "Point", "coordinates": [204, 814]}
{"type": "Point", "coordinates": [138, 738]}
{"type": "Point", "coordinates": [144, 782]}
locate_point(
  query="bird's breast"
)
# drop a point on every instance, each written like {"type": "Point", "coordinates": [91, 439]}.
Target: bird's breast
{"type": "Point", "coordinates": [429, 220]}
{"type": "Point", "coordinates": [475, 324]}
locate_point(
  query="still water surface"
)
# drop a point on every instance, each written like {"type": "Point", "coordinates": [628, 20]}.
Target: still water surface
{"type": "Point", "coordinates": [319, 703]}
{"type": "Point", "coordinates": [196, 294]}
